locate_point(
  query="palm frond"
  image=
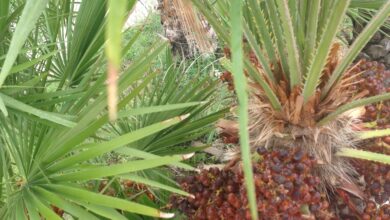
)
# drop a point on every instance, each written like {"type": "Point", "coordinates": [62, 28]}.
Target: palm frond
{"type": "Point", "coordinates": [241, 88]}
{"type": "Point", "coordinates": [358, 45]}
{"type": "Point", "coordinates": [364, 155]}
{"type": "Point", "coordinates": [53, 140]}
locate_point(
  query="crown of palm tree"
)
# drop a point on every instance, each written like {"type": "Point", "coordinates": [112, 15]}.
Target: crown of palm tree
{"type": "Point", "coordinates": [298, 76]}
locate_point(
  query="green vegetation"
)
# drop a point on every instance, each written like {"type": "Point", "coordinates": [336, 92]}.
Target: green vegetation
{"type": "Point", "coordinates": [149, 32]}
{"type": "Point", "coordinates": [98, 122]}
{"type": "Point", "coordinates": [56, 137]}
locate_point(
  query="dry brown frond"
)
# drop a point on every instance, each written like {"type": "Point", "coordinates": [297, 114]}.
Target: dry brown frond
{"type": "Point", "coordinates": [322, 142]}
{"type": "Point", "coordinates": [181, 16]}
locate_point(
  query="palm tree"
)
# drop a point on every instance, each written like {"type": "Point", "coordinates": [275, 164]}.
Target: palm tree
{"type": "Point", "coordinates": [298, 80]}
{"type": "Point", "coordinates": [54, 118]}
{"type": "Point", "coordinates": [188, 33]}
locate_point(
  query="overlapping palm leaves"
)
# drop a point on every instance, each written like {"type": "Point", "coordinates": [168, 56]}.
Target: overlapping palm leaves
{"type": "Point", "coordinates": [290, 42]}
{"type": "Point", "coordinates": [54, 106]}
{"type": "Point", "coordinates": [181, 96]}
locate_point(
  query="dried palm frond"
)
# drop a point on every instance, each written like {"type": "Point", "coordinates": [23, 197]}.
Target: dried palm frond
{"type": "Point", "coordinates": [193, 27]}
{"type": "Point", "coordinates": [181, 20]}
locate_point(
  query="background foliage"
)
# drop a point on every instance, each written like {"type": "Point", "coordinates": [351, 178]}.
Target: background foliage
{"type": "Point", "coordinates": [57, 144]}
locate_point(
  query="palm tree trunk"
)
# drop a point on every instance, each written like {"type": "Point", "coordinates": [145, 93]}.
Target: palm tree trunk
{"type": "Point", "coordinates": [187, 32]}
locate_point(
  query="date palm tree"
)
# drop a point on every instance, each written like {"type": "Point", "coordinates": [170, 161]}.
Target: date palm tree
{"type": "Point", "coordinates": [298, 79]}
